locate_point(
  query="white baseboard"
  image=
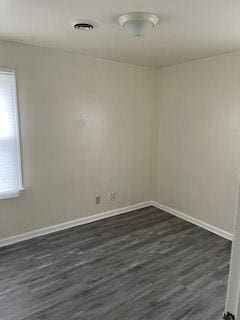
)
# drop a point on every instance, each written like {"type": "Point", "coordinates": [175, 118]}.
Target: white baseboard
{"type": "Point", "coordinates": [200, 223]}
{"type": "Point", "coordinates": [58, 227]}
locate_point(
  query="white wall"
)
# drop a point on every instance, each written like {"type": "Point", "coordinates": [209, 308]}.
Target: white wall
{"type": "Point", "coordinates": [91, 126]}
{"type": "Point", "coordinates": [198, 138]}
{"type": "Point", "coordinates": [86, 127]}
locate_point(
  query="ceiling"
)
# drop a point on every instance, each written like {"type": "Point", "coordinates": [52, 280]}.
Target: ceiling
{"type": "Point", "coordinates": [188, 29]}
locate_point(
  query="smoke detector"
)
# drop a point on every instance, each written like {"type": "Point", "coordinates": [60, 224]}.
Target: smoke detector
{"type": "Point", "coordinates": [85, 25]}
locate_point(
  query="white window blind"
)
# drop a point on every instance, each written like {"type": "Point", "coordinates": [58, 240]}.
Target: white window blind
{"type": "Point", "coordinates": [10, 159]}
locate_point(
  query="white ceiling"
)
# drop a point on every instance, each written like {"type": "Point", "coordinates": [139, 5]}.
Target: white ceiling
{"type": "Point", "coordinates": [188, 29]}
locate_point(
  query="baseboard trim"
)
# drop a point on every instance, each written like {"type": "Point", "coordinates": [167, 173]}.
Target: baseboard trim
{"type": "Point", "coordinates": [73, 223]}
{"type": "Point", "coordinates": [107, 214]}
{"type": "Point", "coordinates": [200, 223]}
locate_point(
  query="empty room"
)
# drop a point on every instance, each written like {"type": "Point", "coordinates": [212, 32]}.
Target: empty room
{"type": "Point", "coordinates": [119, 160]}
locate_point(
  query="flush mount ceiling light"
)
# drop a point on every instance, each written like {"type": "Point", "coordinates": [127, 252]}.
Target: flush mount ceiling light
{"type": "Point", "coordinates": [85, 25]}
{"type": "Point", "coordinates": [138, 23]}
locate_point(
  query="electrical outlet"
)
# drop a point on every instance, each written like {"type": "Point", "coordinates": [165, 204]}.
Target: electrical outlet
{"type": "Point", "coordinates": [98, 200]}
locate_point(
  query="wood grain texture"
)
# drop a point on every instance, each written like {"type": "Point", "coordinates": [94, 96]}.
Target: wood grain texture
{"type": "Point", "coordinates": [145, 264]}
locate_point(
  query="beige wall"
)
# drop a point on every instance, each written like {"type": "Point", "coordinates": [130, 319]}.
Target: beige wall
{"type": "Point", "coordinates": [198, 138]}
{"type": "Point", "coordinates": [86, 128]}
{"type": "Point", "coordinates": [91, 126]}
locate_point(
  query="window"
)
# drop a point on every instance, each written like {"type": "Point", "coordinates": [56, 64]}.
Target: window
{"type": "Point", "coordinates": [10, 159]}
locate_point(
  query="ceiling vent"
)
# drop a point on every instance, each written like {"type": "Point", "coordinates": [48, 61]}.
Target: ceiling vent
{"type": "Point", "coordinates": [85, 25]}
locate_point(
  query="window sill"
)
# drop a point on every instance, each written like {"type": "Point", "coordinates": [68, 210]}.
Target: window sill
{"type": "Point", "coordinates": [9, 195]}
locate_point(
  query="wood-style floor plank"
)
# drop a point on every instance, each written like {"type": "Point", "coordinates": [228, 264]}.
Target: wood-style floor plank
{"type": "Point", "coordinates": [145, 264]}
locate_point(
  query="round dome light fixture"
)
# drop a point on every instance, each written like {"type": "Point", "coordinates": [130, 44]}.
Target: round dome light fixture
{"type": "Point", "coordinates": [85, 25]}
{"type": "Point", "coordinates": [138, 23]}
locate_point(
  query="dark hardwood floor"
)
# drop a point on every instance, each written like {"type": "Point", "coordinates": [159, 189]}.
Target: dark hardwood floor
{"type": "Point", "coordinates": [145, 264]}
